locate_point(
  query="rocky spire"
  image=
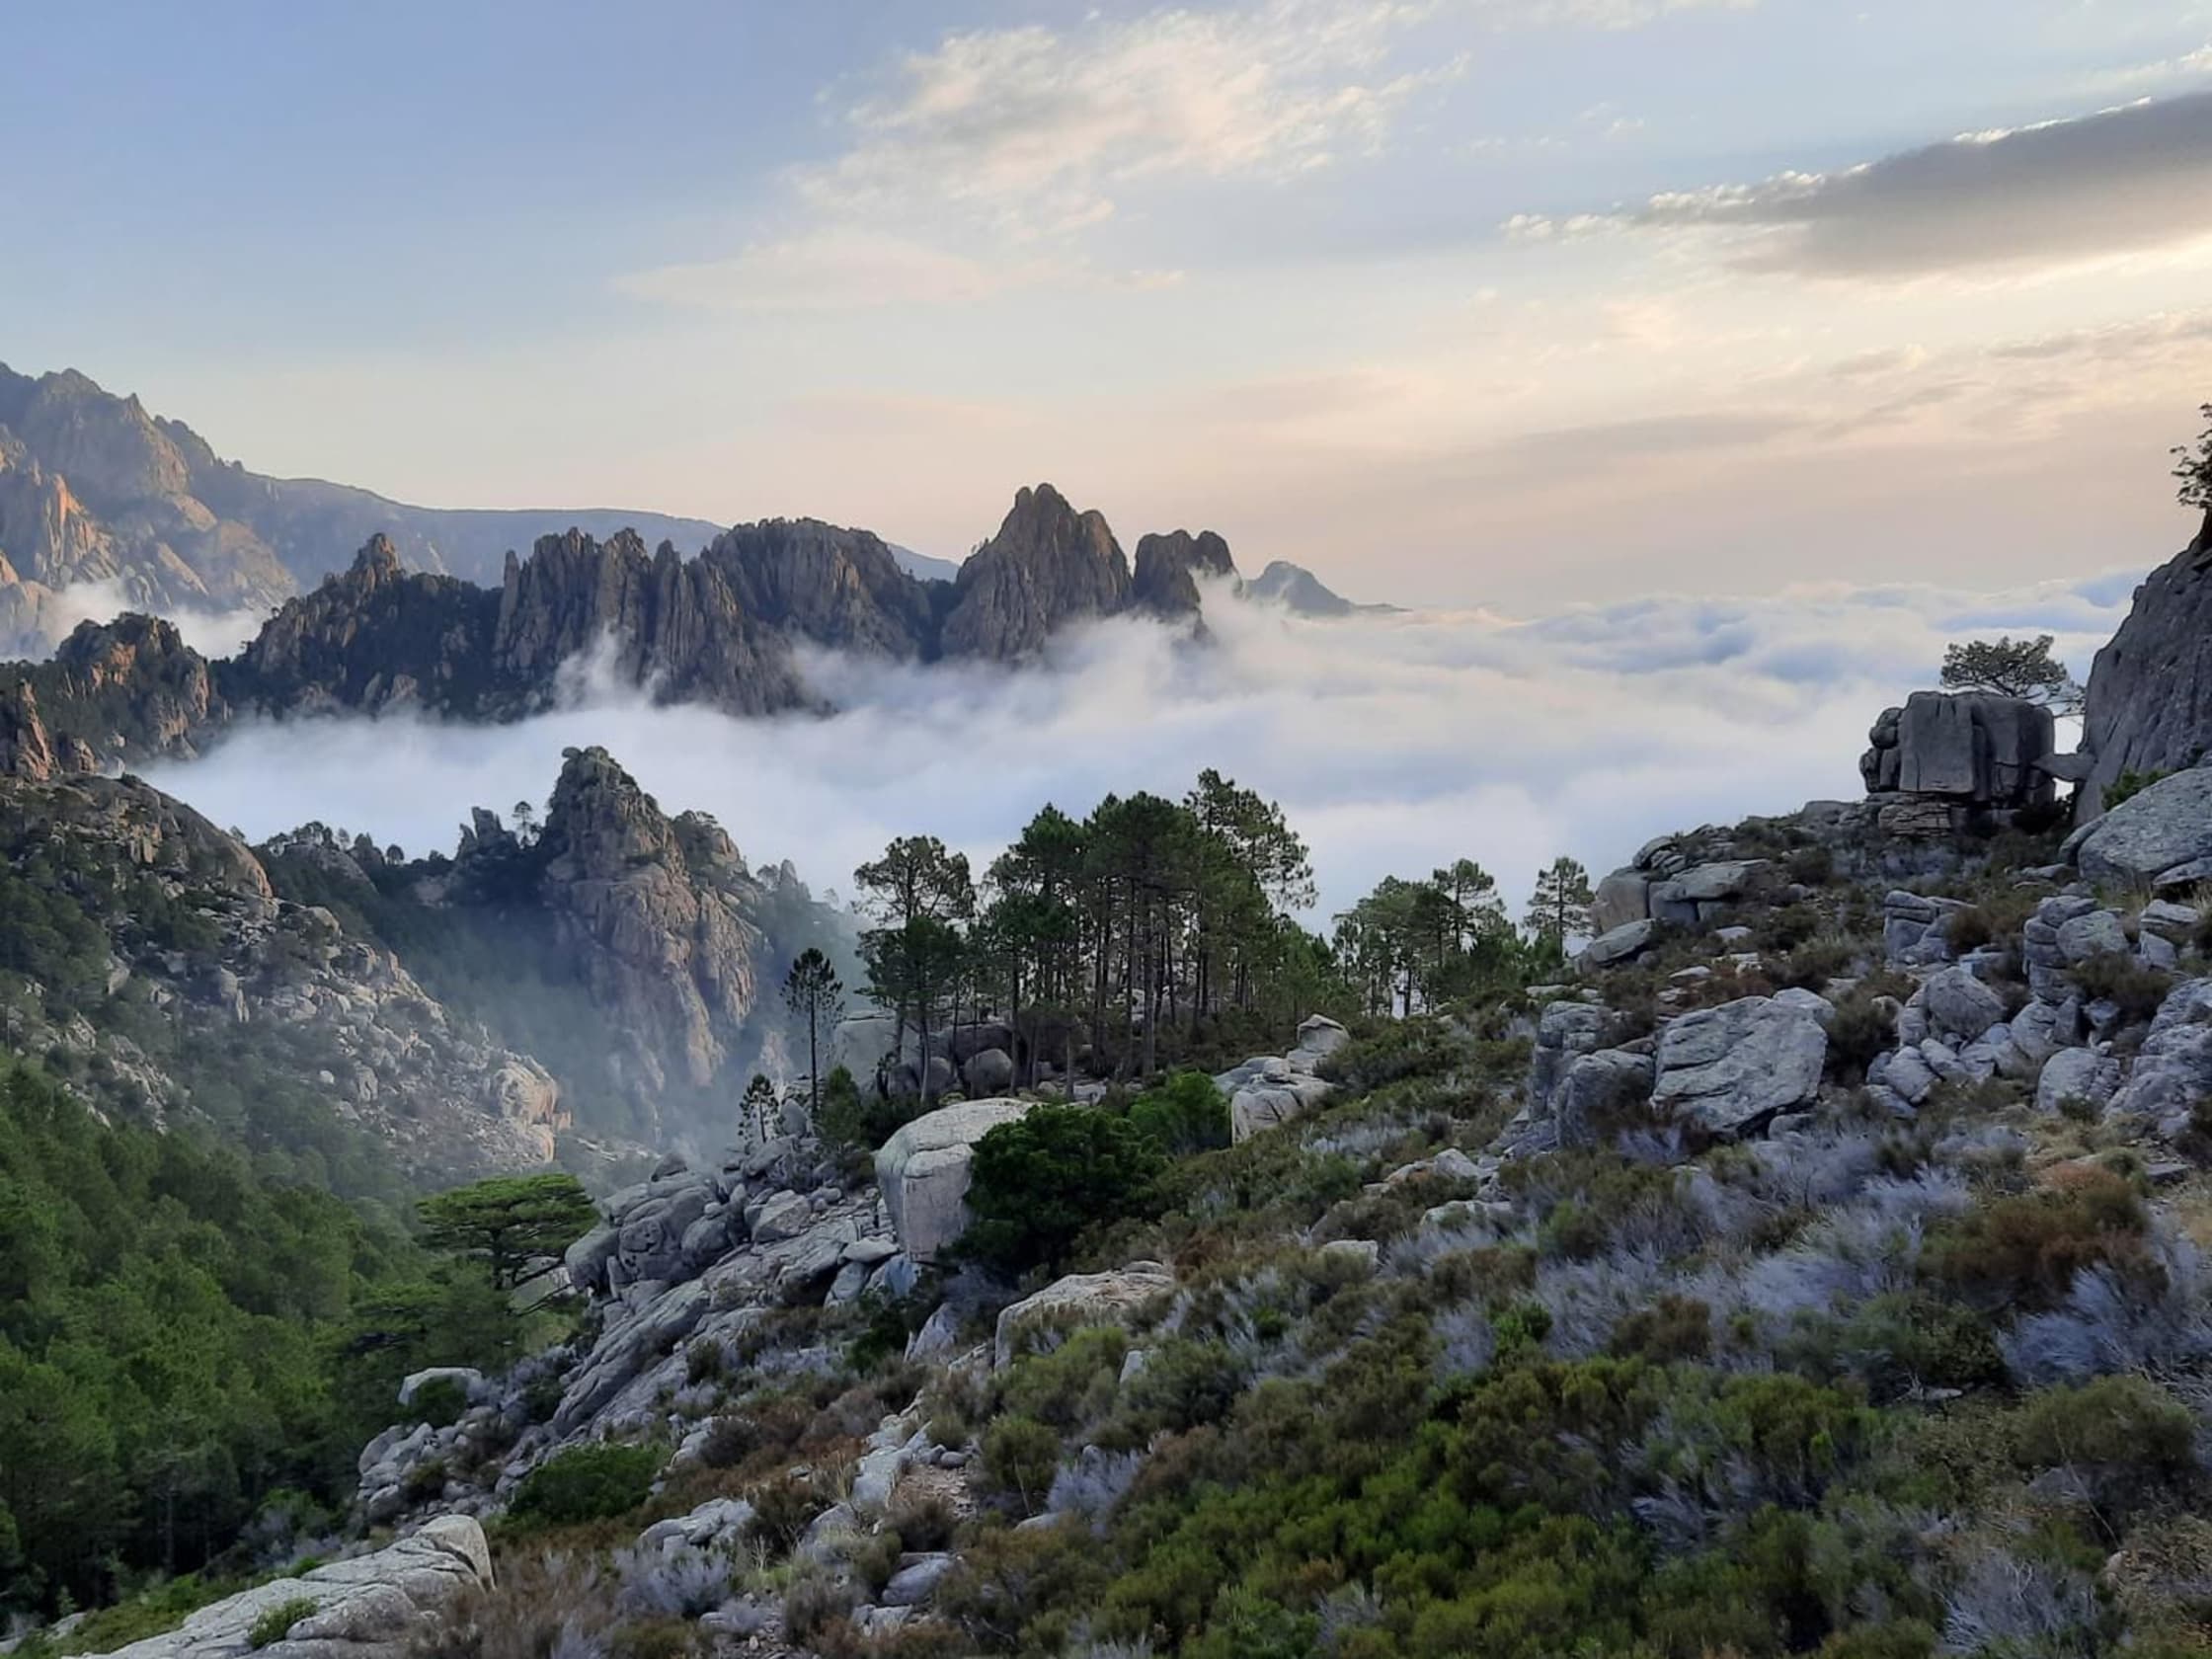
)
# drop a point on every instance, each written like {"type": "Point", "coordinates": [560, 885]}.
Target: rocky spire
{"type": "Point", "coordinates": [1047, 565]}
{"type": "Point", "coordinates": [655, 912]}
{"type": "Point", "coordinates": [1169, 568]}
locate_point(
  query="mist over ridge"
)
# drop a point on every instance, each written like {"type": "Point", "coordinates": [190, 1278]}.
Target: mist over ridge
{"type": "Point", "coordinates": [1394, 741]}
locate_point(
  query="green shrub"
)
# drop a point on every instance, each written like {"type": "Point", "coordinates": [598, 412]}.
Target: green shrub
{"type": "Point", "coordinates": [1421, 1047]}
{"type": "Point", "coordinates": [586, 1483]}
{"type": "Point", "coordinates": [1072, 1386]}
{"type": "Point", "coordinates": [1020, 1458]}
{"type": "Point", "coordinates": [1184, 1115]}
{"type": "Point", "coordinates": [2125, 1424]}
{"type": "Point", "coordinates": [440, 1401]}
{"type": "Point", "coordinates": [276, 1623]}
{"type": "Point", "coordinates": [1039, 1183]}
{"type": "Point", "coordinates": [2024, 1250]}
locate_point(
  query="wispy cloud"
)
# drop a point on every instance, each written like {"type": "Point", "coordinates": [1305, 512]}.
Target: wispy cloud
{"type": "Point", "coordinates": [988, 161]}
{"type": "Point", "coordinates": [2055, 192]}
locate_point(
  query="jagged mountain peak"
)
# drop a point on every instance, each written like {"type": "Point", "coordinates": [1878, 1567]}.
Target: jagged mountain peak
{"type": "Point", "coordinates": [377, 559]}
{"type": "Point", "coordinates": [1047, 565]}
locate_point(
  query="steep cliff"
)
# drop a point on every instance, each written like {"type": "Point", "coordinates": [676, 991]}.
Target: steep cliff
{"type": "Point", "coordinates": [370, 638]}
{"type": "Point", "coordinates": [833, 587]}
{"type": "Point", "coordinates": [2149, 703]}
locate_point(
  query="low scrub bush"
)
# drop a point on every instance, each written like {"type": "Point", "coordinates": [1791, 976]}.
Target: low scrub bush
{"type": "Point", "coordinates": [586, 1483]}
{"type": "Point", "coordinates": [276, 1623]}
{"type": "Point", "coordinates": [2136, 988]}
{"type": "Point", "coordinates": [2024, 1250]}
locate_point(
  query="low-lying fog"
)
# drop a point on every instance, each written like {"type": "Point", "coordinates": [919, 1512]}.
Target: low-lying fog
{"type": "Point", "coordinates": [1394, 742]}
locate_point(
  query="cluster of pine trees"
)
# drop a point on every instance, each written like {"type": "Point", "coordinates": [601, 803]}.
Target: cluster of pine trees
{"type": "Point", "coordinates": [1155, 931]}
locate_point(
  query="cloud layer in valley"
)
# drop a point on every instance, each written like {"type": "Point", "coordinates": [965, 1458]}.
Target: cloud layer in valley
{"type": "Point", "coordinates": [1394, 744]}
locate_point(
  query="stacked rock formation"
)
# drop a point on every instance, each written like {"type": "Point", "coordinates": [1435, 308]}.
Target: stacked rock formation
{"type": "Point", "coordinates": [1946, 759]}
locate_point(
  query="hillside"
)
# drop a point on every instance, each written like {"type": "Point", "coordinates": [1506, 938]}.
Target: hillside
{"type": "Point", "coordinates": [1822, 1274]}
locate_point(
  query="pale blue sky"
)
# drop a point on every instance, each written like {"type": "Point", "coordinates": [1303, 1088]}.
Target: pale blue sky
{"type": "Point", "coordinates": [1377, 285]}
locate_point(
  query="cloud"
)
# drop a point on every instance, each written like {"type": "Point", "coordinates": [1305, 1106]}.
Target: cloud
{"type": "Point", "coordinates": [2136, 77]}
{"type": "Point", "coordinates": [1042, 129]}
{"type": "Point", "coordinates": [2059, 191]}
{"type": "Point", "coordinates": [835, 268]}
{"type": "Point", "coordinates": [977, 165]}
{"type": "Point", "coordinates": [211, 633]}
{"type": "Point", "coordinates": [1394, 744]}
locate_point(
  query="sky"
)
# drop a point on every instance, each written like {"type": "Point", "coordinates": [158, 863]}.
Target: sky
{"type": "Point", "coordinates": [1506, 303]}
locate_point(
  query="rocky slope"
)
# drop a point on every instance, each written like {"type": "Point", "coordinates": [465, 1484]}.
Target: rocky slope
{"type": "Point", "coordinates": [1795, 1169]}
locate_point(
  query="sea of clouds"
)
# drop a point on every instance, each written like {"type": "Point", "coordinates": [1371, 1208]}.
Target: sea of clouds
{"type": "Point", "coordinates": [1396, 743]}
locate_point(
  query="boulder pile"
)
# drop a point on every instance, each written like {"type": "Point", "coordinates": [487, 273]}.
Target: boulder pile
{"type": "Point", "coordinates": [1271, 1089]}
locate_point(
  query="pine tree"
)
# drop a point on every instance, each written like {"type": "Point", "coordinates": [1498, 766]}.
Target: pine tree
{"type": "Point", "coordinates": [815, 996]}
{"type": "Point", "coordinates": [1559, 909]}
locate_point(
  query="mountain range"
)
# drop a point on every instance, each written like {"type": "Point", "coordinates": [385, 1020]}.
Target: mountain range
{"type": "Point", "coordinates": [95, 491]}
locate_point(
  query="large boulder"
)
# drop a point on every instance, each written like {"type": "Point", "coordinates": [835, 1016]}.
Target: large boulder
{"type": "Point", "coordinates": [2172, 1072]}
{"type": "Point", "coordinates": [1731, 1069]}
{"type": "Point", "coordinates": [1622, 898]}
{"type": "Point", "coordinates": [371, 1606]}
{"type": "Point", "coordinates": [1083, 1299]}
{"type": "Point", "coordinates": [989, 1071]}
{"type": "Point", "coordinates": [1597, 1089]}
{"type": "Point", "coordinates": [1973, 747]}
{"type": "Point", "coordinates": [2148, 833]}
{"type": "Point", "coordinates": [1617, 944]}
{"type": "Point", "coordinates": [1960, 1006]}
{"type": "Point", "coordinates": [923, 1171]}
{"type": "Point", "coordinates": [1319, 1037]}
{"type": "Point", "coordinates": [1703, 891]}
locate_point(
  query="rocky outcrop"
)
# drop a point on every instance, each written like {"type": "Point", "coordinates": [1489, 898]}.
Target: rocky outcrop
{"type": "Point", "coordinates": [924, 1170]}
{"type": "Point", "coordinates": [2172, 1076]}
{"type": "Point", "coordinates": [658, 914]}
{"type": "Point", "coordinates": [93, 489]}
{"type": "Point", "coordinates": [1047, 567]}
{"type": "Point", "coordinates": [117, 692]}
{"type": "Point", "coordinates": [1272, 1089]}
{"type": "Point", "coordinates": [837, 587]}
{"type": "Point", "coordinates": [1946, 757]}
{"type": "Point", "coordinates": [379, 1606]}
{"type": "Point", "coordinates": [2148, 706]}
{"type": "Point", "coordinates": [1114, 1296]}
{"type": "Point", "coordinates": [27, 748]}
{"type": "Point", "coordinates": [1730, 1069]}
{"type": "Point", "coordinates": [1300, 592]}
{"type": "Point", "coordinates": [1667, 884]}
{"type": "Point", "coordinates": [372, 637]}
{"type": "Point", "coordinates": [2161, 836]}
{"type": "Point", "coordinates": [1169, 569]}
